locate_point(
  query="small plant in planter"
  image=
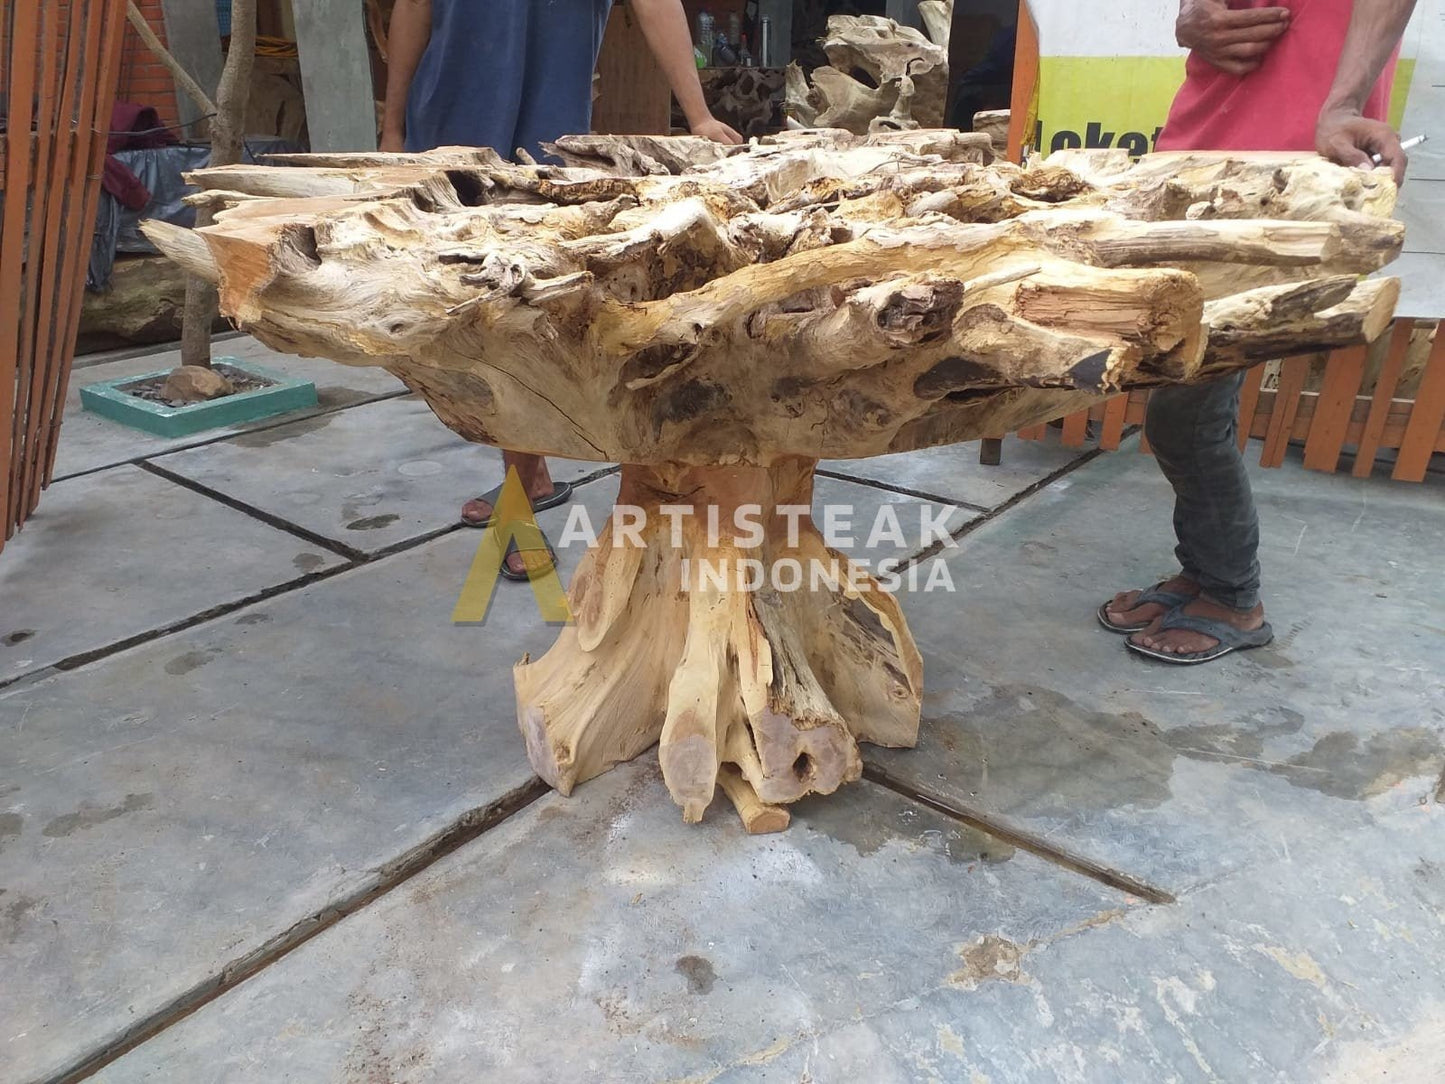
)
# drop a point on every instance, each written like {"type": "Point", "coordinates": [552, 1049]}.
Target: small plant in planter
{"type": "Point", "coordinates": [171, 403]}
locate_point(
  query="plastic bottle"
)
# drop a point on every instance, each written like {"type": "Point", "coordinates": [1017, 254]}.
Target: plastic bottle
{"type": "Point", "coordinates": [706, 35]}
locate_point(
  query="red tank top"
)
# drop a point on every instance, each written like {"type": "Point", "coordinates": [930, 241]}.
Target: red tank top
{"type": "Point", "coordinates": [1275, 107]}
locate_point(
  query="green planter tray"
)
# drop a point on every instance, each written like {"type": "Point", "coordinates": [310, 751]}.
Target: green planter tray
{"type": "Point", "coordinates": [283, 394]}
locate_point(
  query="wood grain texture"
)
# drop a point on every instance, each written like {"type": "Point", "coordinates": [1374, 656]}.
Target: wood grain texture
{"type": "Point", "coordinates": [718, 320]}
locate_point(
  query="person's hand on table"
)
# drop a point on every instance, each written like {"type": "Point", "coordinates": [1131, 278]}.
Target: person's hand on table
{"type": "Point", "coordinates": [1343, 136]}
{"type": "Point", "coordinates": [716, 130]}
{"type": "Point", "coordinates": [1234, 40]}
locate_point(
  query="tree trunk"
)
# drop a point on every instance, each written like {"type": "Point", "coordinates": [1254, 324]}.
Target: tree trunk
{"type": "Point", "coordinates": [703, 642]}
{"type": "Point", "coordinates": [227, 135]}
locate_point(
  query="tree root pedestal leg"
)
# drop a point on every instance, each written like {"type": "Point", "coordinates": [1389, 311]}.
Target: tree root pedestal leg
{"type": "Point", "coordinates": [712, 619]}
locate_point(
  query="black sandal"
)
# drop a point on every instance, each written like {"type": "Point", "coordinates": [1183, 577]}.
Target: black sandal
{"type": "Point", "coordinates": [1168, 599]}
{"type": "Point", "coordinates": [523, 577]}
{"type": "Point", "coordinates": [561, 494]}
{"type": "Point", "coordinates": [1230, 638]}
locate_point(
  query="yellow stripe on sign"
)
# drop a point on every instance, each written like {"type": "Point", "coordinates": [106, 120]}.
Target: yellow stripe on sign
{"type": "Point", "coordinates": [1104, 101]}
{"type": "Point", "coordinates": [1400, 93]}
{"type": "Point", "coordinates": [512, 518]}
{"type": "Point", "coordinates": [1123, 101]}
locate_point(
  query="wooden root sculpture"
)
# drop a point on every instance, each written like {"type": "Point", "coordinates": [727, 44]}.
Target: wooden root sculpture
{"type": "Point", "coordinates": [881, 76]}
{"type": "Point", "coordinates": [717, 320]}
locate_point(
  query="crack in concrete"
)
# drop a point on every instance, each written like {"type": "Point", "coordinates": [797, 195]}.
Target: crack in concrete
{"type": "Point", "coordinates": [385, 879]}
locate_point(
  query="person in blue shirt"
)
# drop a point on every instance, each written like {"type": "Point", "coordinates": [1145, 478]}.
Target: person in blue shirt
{"type": "Point", "coordinates": [510, 74]}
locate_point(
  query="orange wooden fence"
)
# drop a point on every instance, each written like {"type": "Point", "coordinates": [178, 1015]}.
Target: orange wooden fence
{"type": "Point", "coordinates": [59, 79]}
{"type": "Point", "coordinates": [1341, 413]}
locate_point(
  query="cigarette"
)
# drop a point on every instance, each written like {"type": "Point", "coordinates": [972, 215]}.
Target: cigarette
{"type": "Point", "coordinates": [1405, 146]}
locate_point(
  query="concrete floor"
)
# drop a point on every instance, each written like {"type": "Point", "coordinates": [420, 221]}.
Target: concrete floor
{"type": "Point", "coordinates": [265, 814]}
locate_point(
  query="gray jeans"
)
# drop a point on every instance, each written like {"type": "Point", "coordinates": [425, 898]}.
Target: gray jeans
{"type": "Point", "coordinates": [1192, 429]}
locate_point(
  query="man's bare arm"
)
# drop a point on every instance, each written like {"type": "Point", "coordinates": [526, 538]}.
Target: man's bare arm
{"type": "Point", "coordinates": [406, 40]}
{"type": "Point", "coordinates": [1343, 134]}
{"type": "Point", "coordinates": [664, 25]}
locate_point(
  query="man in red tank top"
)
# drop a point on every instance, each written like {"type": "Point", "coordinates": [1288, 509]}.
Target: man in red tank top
{"type": "Point", "coordinates": [1297, 75]}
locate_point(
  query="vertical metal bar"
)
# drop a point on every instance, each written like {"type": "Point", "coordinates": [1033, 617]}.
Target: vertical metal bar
{"type": "Point", "coordinates": [1292, 375]}
{"type": "Point", "coordinates": [86, 187]}
{"type": "Point", "coordinates": [7, 454]}
{"type": "Point", "coordinates": [1334, 408]}
{"type": "Point", "coordinates": [47, 221]}
{"type": "Point", "coordinates": [1076, 429]}
{"type": "Point", "coordinates": [20, 97]}
{"type": "Point", "coordinates": [1384, 397]}
{"type": "Point", "coordinates": [1249, 403]}
{"type": "Point", "coordinates": [1427, 416]}
{"type": "Point", "coordinates": [1112, 432]}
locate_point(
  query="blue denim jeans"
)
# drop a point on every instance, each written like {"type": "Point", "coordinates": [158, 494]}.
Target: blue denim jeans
{"type": "Point", "coordinates": [1192, 429]}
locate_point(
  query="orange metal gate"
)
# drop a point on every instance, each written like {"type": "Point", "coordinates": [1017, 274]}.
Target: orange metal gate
{"type": "Point", "coordinates": [61, 64]}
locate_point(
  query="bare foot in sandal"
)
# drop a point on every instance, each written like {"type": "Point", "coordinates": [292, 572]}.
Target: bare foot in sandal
{"type": "Point", "coordinates": [532, 469]}
{"type": "Point", "coordinates": [1135, 611]}
{"type": "Point", "coordinates": [1193, 643]}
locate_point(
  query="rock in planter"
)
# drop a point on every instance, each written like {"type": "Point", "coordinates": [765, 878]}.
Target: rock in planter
{"type": "Point", "coordinates": [195, 384]}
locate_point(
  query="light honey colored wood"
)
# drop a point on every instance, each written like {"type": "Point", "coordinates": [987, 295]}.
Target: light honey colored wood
{"type": "Point", "coordinates": [717, 320]}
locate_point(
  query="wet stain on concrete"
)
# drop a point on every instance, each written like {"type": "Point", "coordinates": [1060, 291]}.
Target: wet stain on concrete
{"type": "Point", "coordinates": [264, 438]}
{"type": "Point", "coordinates": [1429, 883]}
{"type": "Point", "coordinates": [373, 523]}
{"type": "Point", "coordinates": [19, 636]}
{"type": "Point", "coordinates": [1030, 746]}
{"type": "Point", "coordinates": [1340, 766]}
{"type": "Point", "coordinates": [257, 618]}
{"type": "Point", "coordinates": [1026, 744]}
{"type": "Point", "coordinates": [868, 827]}
{"type": "Point", "coordinates": [88, 815]}
{"type": "Point", "coordinates": [990, 957]}
{"type": "Point", "coordinates": [1038, 553]}
{"type": "Point", "coordinates": [10, 824]}
{"type": "Point", "coordinates": [352, 508]}
{"type": "Point", "coordinates": [1241, 742]}
{"type": "Point", "coordinates": [191, 660]}
{"type": "Point", "coordinates": [14, 914]}
{"type": "Point", "coordinates": [308, 562]}
{"type": "Point", "coordinates": [698, 972]}
{"type": "Point", "coordinates": [1270, 657]}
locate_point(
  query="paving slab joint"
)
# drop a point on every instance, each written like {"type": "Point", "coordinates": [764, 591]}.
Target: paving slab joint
{"type": "Point", "coordinates": [1023, 840]}
{"type": "Point", "coordinates": [311, 538]}
{"type": "Point", "coordinates": [917, 494]}
{"type": "Point", "coordinates": [1013, 502]}
{"type": "Point", "coordinates": [386, 877]}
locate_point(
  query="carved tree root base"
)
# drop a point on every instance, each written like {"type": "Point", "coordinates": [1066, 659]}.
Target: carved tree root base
{"type": "Point", "coordinates": [762, 689]}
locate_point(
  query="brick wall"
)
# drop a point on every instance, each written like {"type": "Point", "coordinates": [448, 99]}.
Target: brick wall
{"type": "Point", "coordinates": [144, 79]}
